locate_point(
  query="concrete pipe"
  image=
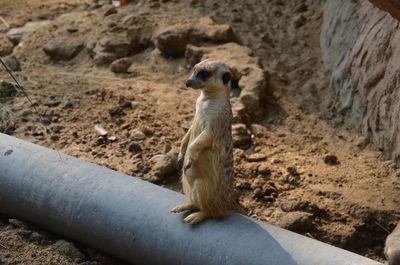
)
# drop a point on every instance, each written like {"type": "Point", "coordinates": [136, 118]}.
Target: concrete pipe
{"type": "Point", "coordinates": [131, 219]}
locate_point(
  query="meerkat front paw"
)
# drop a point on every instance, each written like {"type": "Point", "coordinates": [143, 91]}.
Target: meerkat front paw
{"type": "Point", "coordinates": [195, 218]}
{"type": "Point", "coordinates": [187, 166]}
{"type": "Point", "coordinates": [179, 162]}
{"type": "Point", "coordinates": [191, 157]}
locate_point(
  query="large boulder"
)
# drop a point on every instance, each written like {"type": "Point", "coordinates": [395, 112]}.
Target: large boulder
{"type": "Point", "coordinates": [63, 49]}
{"type": "Point", "coordinates": [360, 48]}
{"type": "Point", "coordinates": [172, 40]}
{"type": "Point", "coordinates": [115, 45]}
{"type": "Point", "coordinates": [15, 35]}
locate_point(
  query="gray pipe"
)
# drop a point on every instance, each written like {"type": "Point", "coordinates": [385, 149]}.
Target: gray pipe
{"type": "Point", "coordinates": [131, 219]}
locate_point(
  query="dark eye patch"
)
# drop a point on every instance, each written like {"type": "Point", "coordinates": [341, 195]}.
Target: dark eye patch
{"type": "Point", "coordinates": [226, 77]}
{"type": "Point", "coordinates": [204, 74]}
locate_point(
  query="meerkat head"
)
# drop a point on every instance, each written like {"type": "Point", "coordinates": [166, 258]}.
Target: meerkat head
{"type": "Point", "coordinates": [210, 76]}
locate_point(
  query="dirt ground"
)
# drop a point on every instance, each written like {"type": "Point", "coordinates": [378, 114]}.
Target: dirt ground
{"type": "Point", "coordinates": [303, 168]}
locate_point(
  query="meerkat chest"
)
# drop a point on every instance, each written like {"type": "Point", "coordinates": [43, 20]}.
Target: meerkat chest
{"type": "Point", "coordinates": [214, 114]}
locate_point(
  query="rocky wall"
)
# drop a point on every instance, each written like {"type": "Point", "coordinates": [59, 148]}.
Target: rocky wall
{"type": "Point", "coordinates": [360, 48]}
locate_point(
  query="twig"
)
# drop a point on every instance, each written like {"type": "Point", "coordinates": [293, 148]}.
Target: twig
{"type": "Point", "coordinates": [3, 246]}
{"type": "Point", "coordinates": [5, 22]}
{"type": "Point", "coordinates": [93, 77]}
{"type": "Point", "coordinates": [382, 227]}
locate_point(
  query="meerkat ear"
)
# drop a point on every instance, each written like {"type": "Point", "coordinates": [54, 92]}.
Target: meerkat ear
{"type": "Point", "coordinates": [226, 77]}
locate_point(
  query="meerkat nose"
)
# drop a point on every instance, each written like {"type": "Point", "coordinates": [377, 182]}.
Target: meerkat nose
{"type": "Point", "coordinates": [188, 83]}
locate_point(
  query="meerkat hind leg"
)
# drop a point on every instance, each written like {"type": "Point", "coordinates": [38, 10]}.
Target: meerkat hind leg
{"type": "Point", "coordinates": [183, 207]}
{"type": "Point", "coordinates": [195, 218]}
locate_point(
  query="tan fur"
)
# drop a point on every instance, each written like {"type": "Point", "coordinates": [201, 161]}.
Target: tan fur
{"type": "Point", "coordinates": [206, 149]}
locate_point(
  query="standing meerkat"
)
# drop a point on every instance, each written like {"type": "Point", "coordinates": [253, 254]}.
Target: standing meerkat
{"type": "Point", "coordinates": [206, 149]}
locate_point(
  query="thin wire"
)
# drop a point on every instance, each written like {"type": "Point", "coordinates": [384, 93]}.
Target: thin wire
{"type": "Point", "coordinates": [20, 88]}
{"type": "Point", "coordinates": [382, 227]}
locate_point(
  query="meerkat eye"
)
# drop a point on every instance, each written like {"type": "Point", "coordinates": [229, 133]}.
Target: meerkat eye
{"type": "Point", "coordinates": [204, 74]}
{"type": "Point", "coordinates": [226, 77]}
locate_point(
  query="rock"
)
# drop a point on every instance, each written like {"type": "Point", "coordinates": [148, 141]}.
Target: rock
{"type": "Point", "coordinates": [12, 63]}
{"type": "Point", "coordinates": [94, 6]}
{"type": "Point", "coordinates": [297, 205]}
{"type": "Point", "coordinates": [121, 65]}
{"type": "Point", "coordinates": [264, 170]}
{"type": "Point", "coordinates": [119, 44]}
{"type": "Point", "coordinates": [124, 103]}
{"type": "Point", "coordinates": [67, 104]}
{"type": "Point", "coordinates": [258, 130]}
{"type": "Point", "coordinates": [331, 160]}
{"type": "Point", "coordinates": [257, 157]}
{"type": "Point", "coordinates": [134, 148]}
{"type": "Point", "coordinates": [392, 247]}
{"type": "Point", "coordinates": [17, 223]}
{"type": "Point", "coordinates": [239, 111]}
{"type": "Point", "coordinates": [111, 10]}
{"type": "Point", "coordinates": [64, 50]}
{"type": "Point", "coordinates": [137, 134]}
{"type": "Point", "coordinates": [258, 183]}
{"type": "Point", "coordinates": [254, 84]}
{"type": "Point", "coordinates": [240, 135]}
{"type": "Point", "coordinates": [193, 54]}
{"type": "Point", "coordinates": [167, 148]}
{"type": "Point", "coordinates": [15, 35]}
{"type": "Point", "coordinates": [362, 142]}
{"type": "Point", "coordinates": [258, 193]}
{"type": "Point", "coordinates": [35, 237]}
{"type": "Point", "coordinates": [72, 29]}
{"type": "Point", "coordinates": [115, 111]}
{"type": "Point", "coordinates": [302, 8]}
{"type": "Point", "coordinates": [299, 21]}
{"type": "Point", "coordinates": [296, 221]}
{"type": "Point", "coordinates": [290, 206]}
{"type": "Point", "coordinates": [134, 105]}
{"type": "Point", "coordinates": [268, 189]}
{"type": "Point", "coordinates": [243, 185]}
{"type": "Point", "coordinates": [25, 233]}
{"type": "Point", "coordinates": [164, 165]}
{"type": "Point", "coordinates": [68, 249]}
{"type": "Point", "coordinates": [6, 46]}
{"type": "Point", "coordinates": [8, 89]}
{"type": "Point", "coordinates": [104, 58]}
{"type": "Point", "coordinates": [292, 171]}
{"type": "Point", "coordinates": [174, 39]}
{"type": "Point", "coordinates": [262, 188]}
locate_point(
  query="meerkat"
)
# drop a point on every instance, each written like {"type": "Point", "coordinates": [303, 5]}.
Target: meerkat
{"type": "Point", "coordinates": [392, 247]}
{"type": "Point", "coordinates": [206, 149]}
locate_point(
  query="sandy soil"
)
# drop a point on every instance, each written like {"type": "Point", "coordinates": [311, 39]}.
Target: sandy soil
{"type": "Point", "coordinates": [304, 168]}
